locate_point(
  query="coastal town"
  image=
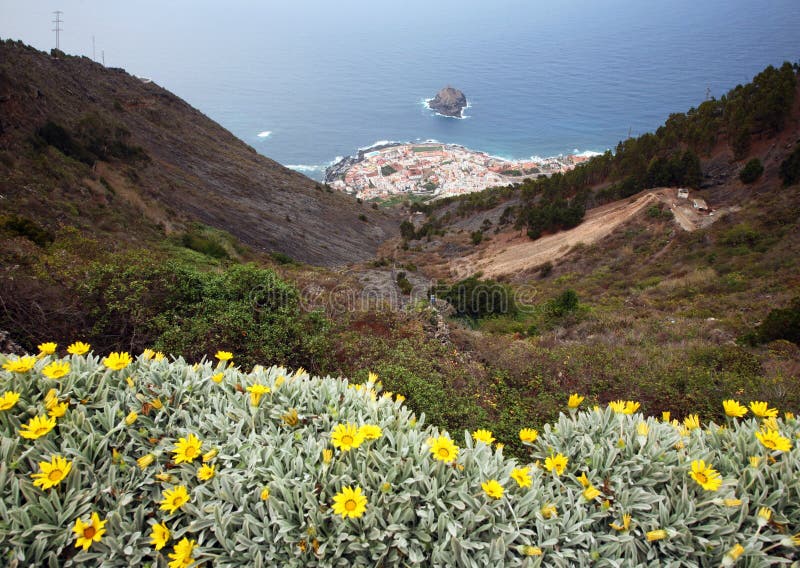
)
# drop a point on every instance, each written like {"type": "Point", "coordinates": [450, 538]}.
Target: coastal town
{"type": "Point", "coordinates": [434, 170]}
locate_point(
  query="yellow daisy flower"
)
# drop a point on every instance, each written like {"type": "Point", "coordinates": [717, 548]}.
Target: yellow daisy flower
{"type": "Point", "coordinates": [575, 400]}
{"type": "Point", "coordinates": [443, 449]}
{"type": "Point", "coordinates": [256, 392]}
{"type": "Point", "coordinates": [182, 554]}
{"type": "Point", "coordinates": [37, 427]}
{"type": "Point", "coordinates": [626, 523]}
{"type": "Point", "coordinates": [762, 410]}
{"type": "Point", "coordinates": [56, 369]}
{"type": "Point", "coordinates": [58, 410]}
{"type": "Point", "coordinates": [174, 499]}
{"type": "Point", "coordinates": [557, 463]}
{"type": "Point", "coordinates": [88, 533]}
{"type": "Point", "coordinates": [707, 477]}
{"type": "Point", "coordinates": [631, 407]}
{"type": "Point", "coordinates": [187, 449]}
{"type": "Point", "coordinates": [548, 511]}
{"type": "Point", "coordinates": [371, 431]}
{"type": "Point", "coordinates": [8, 400]}
{"type": "Point", "coordinates": [78, 348]}
{"type": "Point", "coordinates": [590, 493]}
{"type": "Point", "coordinates": [658, 534]}
{"type": "Point", "coordinates": [206, 472]}
{"type": "Point", "coordinates": [47, 348]}
{"type": "Point", "coordinates": [522, 476]}
{"type": "Point", "coordinates": [159, 535]}
{"type": "Point", "coordinates": [347, 436]}
{"type": "Point", "coordinates": [224, 355]}
{"type": "Point", "coordinates": [528, 435]}
{"type": "Point", "coordinates": [484, 436]}
{"type": "Point", "coordinates": [52, 473]}
{"type": "Point", "coordinates": [692, 422]}
{"type": "Point", "coordinates": [265, 494]}
{"type": "Point", "coordinates": [145, 461]}
{"type": "Point", "coordinates": [217, 378]}
{"type": "Point", "coordinates": [733, 408]}
{"type": "Point", "coordinates": [20, 364]}
{"type": "Point", "coordinates": [117, 361]}
{"type": "Point", "coordinates": [772, 440]}
{"type": "Point", "coordinates": [492, 488]}
{"type": "Point", "coordinates": [349, 502]}
{"type": "Point", "coordinates": [131, 418]}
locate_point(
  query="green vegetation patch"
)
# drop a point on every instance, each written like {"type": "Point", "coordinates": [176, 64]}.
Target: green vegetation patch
{"type": "Point", "coordinates": [206, 463]}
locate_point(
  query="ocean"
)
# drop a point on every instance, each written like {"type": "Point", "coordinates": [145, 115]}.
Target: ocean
{"type": "Point", "coordinates": [309, 81]}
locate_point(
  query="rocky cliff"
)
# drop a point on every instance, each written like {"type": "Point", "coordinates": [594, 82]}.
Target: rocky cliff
{"type": "Point", "coordinates": [449, 102]}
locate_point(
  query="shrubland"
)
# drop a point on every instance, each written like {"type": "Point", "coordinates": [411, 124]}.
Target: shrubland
{"type": "Point", "coordinates": [122, 460]}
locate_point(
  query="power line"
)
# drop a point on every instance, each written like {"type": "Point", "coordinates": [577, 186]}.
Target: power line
{"type": "Point", "coordinates": [58, 21]}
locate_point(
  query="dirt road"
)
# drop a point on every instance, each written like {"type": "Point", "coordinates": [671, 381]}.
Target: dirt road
{"type": "Point", "coordinates": [513, 252]}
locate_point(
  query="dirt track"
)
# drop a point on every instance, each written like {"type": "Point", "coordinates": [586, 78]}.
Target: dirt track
{"type": "Point", "coordinates": [509, 253]}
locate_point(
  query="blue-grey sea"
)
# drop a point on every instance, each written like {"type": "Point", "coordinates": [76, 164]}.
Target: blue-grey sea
{"type": "Point", "coordinates": [309, 80]}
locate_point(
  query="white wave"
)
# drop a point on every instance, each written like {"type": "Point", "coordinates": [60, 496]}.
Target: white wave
{"type": "Point", "coordinates": [304, 168]}
{"type": "Point", "coordinates": [336, 160]}
{"type": "Point", "coordinates": [588, 153]}
{"type": "Point", "coordinates": [264, 134]}
{"type": "Point", "coordinates": [378, 143]}
{"type": "Point", "coordinates": [426, 104]}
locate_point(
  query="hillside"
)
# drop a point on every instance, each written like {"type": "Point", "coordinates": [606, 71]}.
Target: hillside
{"type": "Point", "coordinates": [638, 307]}
{"type": "Point", "coordinates": [126, 160]}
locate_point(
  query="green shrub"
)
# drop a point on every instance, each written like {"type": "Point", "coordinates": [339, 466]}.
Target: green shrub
{"type": "Point", "coordinates": [476, 237]}
{"type": "Point", "coordinates": [781, 323]}
{"type": "Point", "coordinates": [475, 298]}
{"type": "Point", "coordinates": [24, 227]}
{"type": "Point", "coordinates": [751, 171]}
{"type": "Point", "coordinates": [403, 283]}
{"type": "Point", "coordinates": [742, 234]}
{"type": "Point", "coordinates": [203, 244]}
{"type": "Point", "coordinates": [790, 168]}
{"type": "Point", "coordinates": [270, 500]}
{"type": "Point", "coordinates": [565, 303]}
{"type": "Point", "coordinates": [282, 258]}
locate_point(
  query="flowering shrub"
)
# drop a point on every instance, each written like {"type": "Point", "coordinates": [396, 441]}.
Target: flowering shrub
{"type": "Point", "coordinates": [165, 463]}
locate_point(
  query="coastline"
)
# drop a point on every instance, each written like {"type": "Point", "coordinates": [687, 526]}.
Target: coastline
{"type": "Point", "coordinates": [433, 169]}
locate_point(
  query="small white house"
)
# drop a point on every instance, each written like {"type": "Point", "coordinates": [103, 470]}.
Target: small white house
{"type": "Point", "coordinates": [683, 193]}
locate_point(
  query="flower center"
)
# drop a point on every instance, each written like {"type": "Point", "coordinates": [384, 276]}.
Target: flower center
{"type": "Point", "coordinates": [350, 505]}
{"type": "Point", "coordinates": [55, 475]}
{"type": "Point", "coordinates": [347, 440]}
{"type": "Point", "coordinates": [40, 431]}
{"type": "Point", "coordinates": [191, 452]}
{"type": "Point", "coordinates": [89, 532]}
{"type": "Point", "coordinates": [443, 453]}
{"type": "Point", "coordinates": [770, 444]}
{"type": "Point", "coordinates": [701, 477]}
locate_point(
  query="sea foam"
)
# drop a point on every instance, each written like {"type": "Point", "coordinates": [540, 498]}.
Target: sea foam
{"type": "Point", "coordinates": [264, 134]}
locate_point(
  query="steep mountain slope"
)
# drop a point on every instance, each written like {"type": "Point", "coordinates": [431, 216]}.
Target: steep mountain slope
{"type": "Point", "coordinates": [98, 148]}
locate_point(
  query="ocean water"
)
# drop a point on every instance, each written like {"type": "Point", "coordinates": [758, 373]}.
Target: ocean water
{"type": "Point", "coordinates": [306, 82]}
